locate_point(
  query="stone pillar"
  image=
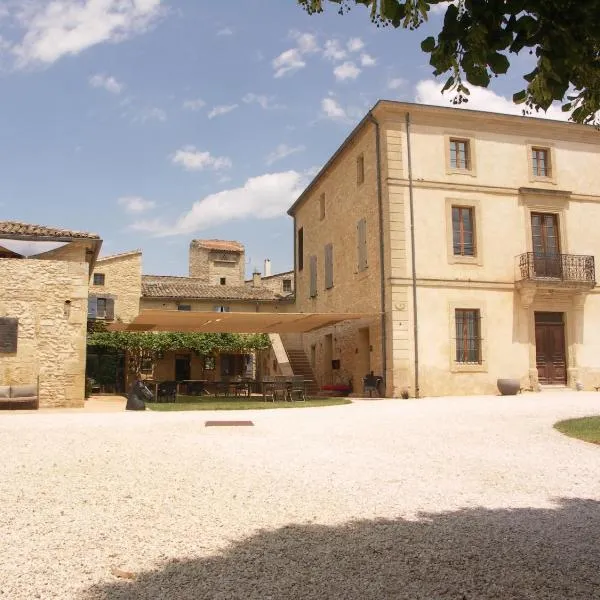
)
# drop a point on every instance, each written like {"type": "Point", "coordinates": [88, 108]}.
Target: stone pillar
{"type": "Point", "coordinates": [575, 338]}
{"type": "Point", "coordinates": [528, 332]}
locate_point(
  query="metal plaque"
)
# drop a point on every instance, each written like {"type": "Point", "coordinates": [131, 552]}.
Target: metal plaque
{"type": "Point", "coordinates": [9, 330]}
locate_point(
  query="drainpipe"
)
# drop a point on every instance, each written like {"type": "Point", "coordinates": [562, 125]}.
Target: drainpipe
{"type": "Point", "coordinates": [381, 248]}
{"type": "Point", "coordinates": [413, 256]}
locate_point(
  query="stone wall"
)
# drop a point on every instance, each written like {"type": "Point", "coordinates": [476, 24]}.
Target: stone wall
{"type": "Point", "coordinates": [49, 297]}
{"type": "Point", "coordinates": [275, 282]}
{"type": "Point", "coordinates": [122, 281]}
{"type": "Point", "coordinates": [211, 265]}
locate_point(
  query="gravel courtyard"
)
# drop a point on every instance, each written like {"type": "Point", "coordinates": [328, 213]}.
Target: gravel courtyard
{"type": "Point", "coordinates": [448, 498]}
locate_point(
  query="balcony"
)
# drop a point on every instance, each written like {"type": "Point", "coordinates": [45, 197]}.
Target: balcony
{"type": "Point", "coordinates": [563, 271]}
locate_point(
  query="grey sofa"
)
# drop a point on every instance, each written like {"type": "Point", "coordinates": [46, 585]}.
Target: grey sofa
{"type": "Point", "coordinates": [19, 396]}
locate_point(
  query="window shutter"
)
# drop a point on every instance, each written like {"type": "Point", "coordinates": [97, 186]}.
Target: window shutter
{"type": "Point", "coordinates": [362, 244]}
{"type": "Point", "coordinates": [313, 276]}
{"type": "Point", "coordinates": [92, 307]}
{"type": "Point", "coordinates": [328, 266]}
{"type": "Point", "coordinates": [110, 309]}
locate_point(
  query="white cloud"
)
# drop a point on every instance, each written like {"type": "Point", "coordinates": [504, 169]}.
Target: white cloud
{"type": "Point", "coordinates": [334, 51]}
{"type": "Point", "coordinates": [355, 44]}
{"type": "Point", "coordinates": [110, 84]}
{"type": "Point", "coordinates": [396, 83]}
{"type": "Point", "coordinates": [225, 31]}
{"type": "Point", "coordinates": [263, 101]}
{"type": "Point", "coordinates": [195, 104]}
{"type": "Point", "coordinates": [347, 70]}
{"type": "Point", "coordinates": [57, 28]}
{"type": "Point", "coordinates": [429, 92]}
{"type": "Point", "coordinates": [192, 159]}
{"type": "Point", "coordinates": [366, 60]}
{"type": "Point", "coordinates": [306, 42]}
{"type": "Point", "coordinates": [282, 151]}
{"type": "Point", "coordinates": [136, 204]}
{"type": "Point", "coordinates": [288, 62]}
{"type": "Point", "coordinates": [263, 197]}
{"type": "Point", "coordinates": [150, 114]}
{"type": "Point", "coordinates": [440, 9]}
{"type": "Point", "coordinates": [332, 109]}
{"type": "Point", "coordinates": [223, 109]}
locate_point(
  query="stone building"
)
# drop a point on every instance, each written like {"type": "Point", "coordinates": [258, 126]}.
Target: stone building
{"type": "Point", "coordinates": [216, 283]}
{"type": "Point", "coordinates": [468, 241]}
{"type": "Point", "coordinates": [44, 274]}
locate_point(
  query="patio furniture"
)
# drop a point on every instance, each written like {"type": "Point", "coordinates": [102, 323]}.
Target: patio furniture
{"type": "Point", "coordinates": [19, 396]}
{"type": "Point", "coordinates": [242, 387]}
{"type": "Point", "coordinates": [195, 387]}
{"type": "Point", "coordinates": [166, 391]}
{"type": "Point", "coordinates": [223, 387]}
{"type": "Point", "coordinates": [371, 384]}
{"type": "Point", "coordinates": [268, 388]}
{"type": "Point", "coordinates": [297, 388]}
{"type": "Point", "coordinates": [281, 387]}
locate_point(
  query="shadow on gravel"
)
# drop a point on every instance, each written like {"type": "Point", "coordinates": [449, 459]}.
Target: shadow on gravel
{"type": "Point", "coordinates": [476, 554]}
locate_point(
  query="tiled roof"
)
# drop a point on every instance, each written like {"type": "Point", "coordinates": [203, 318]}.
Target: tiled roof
{"type": "Point", "coordinates": [121, 255]}
{"type": "Point", "coordinates": [161, 286]}
{"type": "Point", "coordinates": [27, 230]}
{"type": "Point", "coordinates": [223, 245]}
{"type": "Point", "coordinates": [282, 274]}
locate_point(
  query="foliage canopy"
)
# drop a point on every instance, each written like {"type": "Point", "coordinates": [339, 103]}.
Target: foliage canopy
{"type": "Point", "coordinates": [478, 36]}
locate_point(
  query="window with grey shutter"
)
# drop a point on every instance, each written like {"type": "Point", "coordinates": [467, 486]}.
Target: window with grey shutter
{"type": "Point", "coordinates": [313, 276]}
{"type": "Point", "coordinates": [92, 308]}
{"type": "Point", "coordinates": [110, 309]}
{"type": "Point", "coordinates": [328, 266]}
{"type": "Point", "coordinates": [361, 240]}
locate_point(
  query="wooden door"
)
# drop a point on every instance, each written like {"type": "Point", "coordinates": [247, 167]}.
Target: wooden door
{"type": "Point", "coordinates": [546, 244]}
{"type": "Point", "coordinates": [550, 353]}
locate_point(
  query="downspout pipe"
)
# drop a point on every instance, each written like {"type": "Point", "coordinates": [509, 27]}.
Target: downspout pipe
{"type": "Point", "coordinates": [381, 247]}
{"type": "Point", "coordinates": [413, 256]}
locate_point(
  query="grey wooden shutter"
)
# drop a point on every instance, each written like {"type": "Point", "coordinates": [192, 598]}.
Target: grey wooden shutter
{"type": "Point", "coordinates": [328, 266]}
{"type": "Point", "coordinates": [110, 309]}
{"type": "Point", "coordinates": [313, 276]}
{"type": "Point", "coordinates": [361, 236]}
{"type": "Point", "coordinates": [92, 307]}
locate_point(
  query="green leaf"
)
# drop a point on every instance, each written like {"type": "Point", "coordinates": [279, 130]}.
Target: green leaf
{"type": "Point", "coordinates": [498, 63]}
{"type": "Point", "coordinates": [520, 97]}
{"type": "Point", "coordinates": [428, 44]}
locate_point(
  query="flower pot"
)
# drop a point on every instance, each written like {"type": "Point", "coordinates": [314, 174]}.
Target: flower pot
{"type": "Point", "coordinates": [508, 387]}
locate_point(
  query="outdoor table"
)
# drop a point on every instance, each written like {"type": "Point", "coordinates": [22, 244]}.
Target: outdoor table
{"type": "Point", "coordinates": [192, 382]}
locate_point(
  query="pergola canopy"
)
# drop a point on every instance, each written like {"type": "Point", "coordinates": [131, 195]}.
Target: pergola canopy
{"type": "Point", "coordinates": [234, 322]}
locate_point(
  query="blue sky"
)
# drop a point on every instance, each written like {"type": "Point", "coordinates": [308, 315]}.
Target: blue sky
{"type": "Point", "coordinates": [153, 122]}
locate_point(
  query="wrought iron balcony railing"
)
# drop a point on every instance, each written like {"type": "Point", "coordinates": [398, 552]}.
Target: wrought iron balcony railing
{"type": "Point", "coordinates": [568, 268]}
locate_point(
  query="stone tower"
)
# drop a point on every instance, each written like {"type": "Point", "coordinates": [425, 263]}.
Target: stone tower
{"type": "Point", "coordinates": [218, 262]}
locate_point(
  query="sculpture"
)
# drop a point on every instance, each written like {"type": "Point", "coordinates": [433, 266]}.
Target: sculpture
{"type": "Point", "coordinates": [138, 395]}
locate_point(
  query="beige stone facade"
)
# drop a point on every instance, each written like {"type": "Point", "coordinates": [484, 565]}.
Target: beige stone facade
{"type": "Point", "coordinates": [48, 294]}
{"type": "Point", "coordinates": [217, 262]}
{"type": "Point", "coordinates": [521, 185]}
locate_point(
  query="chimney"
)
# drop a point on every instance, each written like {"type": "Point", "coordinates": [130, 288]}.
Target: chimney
{"type": "Point", "coordinates": [256, 278]}
{"type": "Point", "coordinates": [267, 268]}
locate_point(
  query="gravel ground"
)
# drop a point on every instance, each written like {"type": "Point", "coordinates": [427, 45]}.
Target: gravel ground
{"type": "Point", "coordinates": [449, 498]}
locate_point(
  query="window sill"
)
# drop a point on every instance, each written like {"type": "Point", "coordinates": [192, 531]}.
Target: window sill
{"type": "Point", "coordinates": [468, 367]}
{"type": "Point", "coordinates": [540, 179]}
{"type": "Point", "coordinates": [469, 172]}
{"type": "Point", "coordinates": [465, 260]}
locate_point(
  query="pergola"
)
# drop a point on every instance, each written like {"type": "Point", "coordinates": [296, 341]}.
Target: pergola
{"type": "Point", "coordinates": [234, 322]}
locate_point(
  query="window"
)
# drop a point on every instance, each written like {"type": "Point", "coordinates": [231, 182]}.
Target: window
{"type": "Point", "coordinates": [540, 162]}
{"type": "Point", "coordinates": [99, 278]}
{"type": "Point", "coordinates": [360, 169]}
{"type": "Point", "coordinates": [300, 249]}
{"type": "Point", "coordinates": [209, 363]}
{"type": "Point", "coordinates": [313, 276]}
{"type": "Point", "coordinates": [222, 309]}
{"type": "Point", "coordinates": [361, 242]}
{"type": "Point", "coordinates": [322, 206]}
{"type": "Point", "coordinates": [185, 307]}
{"type": "Point", "coordinates": [463, 231]}
{"type": "Point", "coordinates": [468, 336]}
{"type": "Point", "coordinates": [460, 155]}
{"type": "Point", "coordinates": [287, 285]}
{"type": "Point", "coordinates": [328, 266]}
{"type": "Point", "coordinates": [146, 364]}
{"type": "Point", "coordinates": [101, 307]}
{"type": "Point", "coordinates": [223, 281]}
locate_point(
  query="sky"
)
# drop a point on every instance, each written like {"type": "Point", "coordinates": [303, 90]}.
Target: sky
{"type": "Point", "coordinates": [154, 122]}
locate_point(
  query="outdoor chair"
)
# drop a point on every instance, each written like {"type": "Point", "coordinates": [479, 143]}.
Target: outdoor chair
{"type": "Point", "coordinates": [281, 388]}
{"type": "Point", "coordinates": [371, 384]}
{"type": "Point", "coordinates": [297, 389]}
{"type": "Point", "coordinates": [223, 387]}
{"type": "Point", "coordinates": [268, 388]}
{"type": "Point", "coordinates": [167, 391]}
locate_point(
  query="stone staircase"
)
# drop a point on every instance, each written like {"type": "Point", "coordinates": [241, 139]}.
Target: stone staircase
{"type": "Point", "coordinates": [299, 361]}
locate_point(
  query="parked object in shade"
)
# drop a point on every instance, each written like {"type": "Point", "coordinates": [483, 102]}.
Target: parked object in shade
{"type": "Point", "coordinates": [508, 387]}
{"type": "Point", "coordinates": [138, 395]}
